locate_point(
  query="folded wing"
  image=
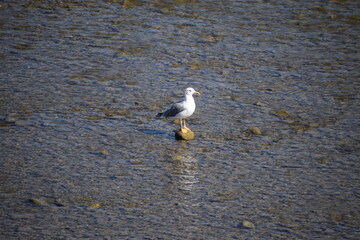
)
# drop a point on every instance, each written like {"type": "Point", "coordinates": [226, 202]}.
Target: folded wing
{"type": "Point", "coordinates": [174, 110]}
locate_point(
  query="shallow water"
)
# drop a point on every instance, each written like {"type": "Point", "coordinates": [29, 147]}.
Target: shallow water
{"type": "Point", "coordinates": [82, 156]}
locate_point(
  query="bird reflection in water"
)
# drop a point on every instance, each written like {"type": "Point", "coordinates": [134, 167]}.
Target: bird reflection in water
{"type": "Point", "coordinates": [184, 168]}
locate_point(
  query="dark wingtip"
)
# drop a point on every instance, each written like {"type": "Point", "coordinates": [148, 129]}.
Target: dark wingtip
{"type": "Point", "coordinates": [159, 115]}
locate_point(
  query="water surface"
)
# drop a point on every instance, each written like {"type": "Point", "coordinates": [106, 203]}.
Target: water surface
{"type": "Point", "coordinates": [82, 156]}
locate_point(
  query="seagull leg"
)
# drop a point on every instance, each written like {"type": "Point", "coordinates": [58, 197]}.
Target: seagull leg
{"type": "Point", "coordinates": [183, 128]}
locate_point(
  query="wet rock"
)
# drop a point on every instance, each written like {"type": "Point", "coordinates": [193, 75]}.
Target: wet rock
{"type": "Point", "coordinates": [184, 135]}
{"type": "Point", "coordinates": [99, 151]}
{"type": "Point", "coordinates": [212, 38]}
{"type": "Point", "coordinates": [260, 104]}
{"type": "Point", "coordinates": [103, 152]}
{"type": "Point", "coordinates": [11, 118]}
{"type": "Point", "coordinates": [37, 201]}
{"type": "Point", "coordinates": [58, 203]}
{"type": "Point", "coordinates": [22, 122]}
{"type": "Point", "coordinates": [248, 224]}
{"type": "Point", "coordinates": [255, 130]}
{"type": "Point", "coordinates": [283, 113]}
{"type": "Point", "coordinates": [95, 205]}
{"type": "Point", "coordinates": [24, 229]}
{"type": "Point", "coordinates": [194, 66]}
{"type": "Point", "coordinates": [136, 162]}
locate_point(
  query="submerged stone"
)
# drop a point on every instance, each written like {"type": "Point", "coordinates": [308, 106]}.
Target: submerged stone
{"type": "Point", "coordinates": [11, 118]}
{"type": "Point", "coordinates": [95, 205]}
{"type": "Point", "coordinates": [37, 201]}
{"type": "Point", "coordinates": [184, 135]}
{"type": "Point", "coordinates": [260, 104]}
{"type": "Point", "coordinates": [248, 224]}
{"type": "Point", "coordinates": [283, 113]}
{"type": "Point", "coordinates": [255, 130]}
{"type": "Point", "coordinates": [103, 152]}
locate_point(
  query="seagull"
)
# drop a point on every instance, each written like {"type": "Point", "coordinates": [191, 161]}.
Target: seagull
{"type": "Point", "coordinates": [182, 110]}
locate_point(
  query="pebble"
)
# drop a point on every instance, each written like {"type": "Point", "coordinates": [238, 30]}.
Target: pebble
{"type": "Point", "coordinates": [255, 130]}
{"type": "Point", "coordinates": [260, 104]}
{"type": "Point", "coordinates": [23, 122]}
{"type": "Point", "coordinates": [282, 113]}
{"type": "Point", "coordinates": [95, 205]}
{"type": "Point", "coordinates": [103, 152]}
{"type": "Point", "coordinates": [11, 118]}
{"type": "Point", "coordinates": [37, 201]}
{"type": "Point", "coordinates": [248, 224]}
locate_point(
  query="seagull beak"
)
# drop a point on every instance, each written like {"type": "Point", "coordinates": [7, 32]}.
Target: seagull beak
{"type": "Point", "coordinates": [197, 93]}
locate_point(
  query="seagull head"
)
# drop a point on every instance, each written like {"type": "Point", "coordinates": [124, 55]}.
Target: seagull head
{"type": "Point", "coordinates": [190, 91]}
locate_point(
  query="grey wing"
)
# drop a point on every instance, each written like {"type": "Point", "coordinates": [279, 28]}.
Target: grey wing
{"type": "Point", "coordinates": [174, 110]}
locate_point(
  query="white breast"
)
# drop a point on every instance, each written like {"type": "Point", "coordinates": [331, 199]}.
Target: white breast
{"type": "Point", "coordinates": [189, 108]}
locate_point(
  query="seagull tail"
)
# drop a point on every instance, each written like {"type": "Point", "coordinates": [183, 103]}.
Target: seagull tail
{"type": "Point", "coordinates": [159, 115]}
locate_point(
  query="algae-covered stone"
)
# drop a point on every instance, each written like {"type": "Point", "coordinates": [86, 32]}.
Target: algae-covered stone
{"type": "Point", "coordinates": [283, 113]}
{"type": "Point", "coordinates": [260, 104]}
{"type": "Point", "coordinates": [37, 201]}
{"type": "Point", "coordinates": [103, 152]}
{"type": "Point", "coordinates": [255, 130]}
{"type": "Point", "coordinates": [185, 134]}
{"type": "Point", "coordinates": [248, 224]}
{"type": "Point", "coordinates": [95, 205]}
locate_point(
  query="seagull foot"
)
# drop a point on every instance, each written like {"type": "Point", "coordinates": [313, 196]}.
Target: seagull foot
{"type": "Point", "coordinates": [184, 134]}
{"type": "Point", "coordinates": [184, 130]}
